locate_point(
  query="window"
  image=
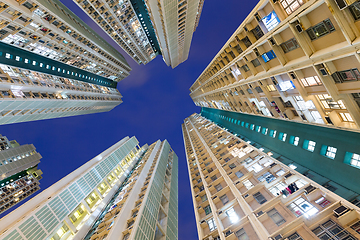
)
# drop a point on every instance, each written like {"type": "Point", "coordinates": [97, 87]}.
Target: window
{"type": "Point", "coordinates": [232, 215]}
{"type": "Point", "coordinates": [232, 166]}
{"type": "Point", "coordinates": [311, 81]}
{"type": "Point", "coordinates": [8, 55]}
{"type": "Point", "coordinates": [328, 151]}
{"type": "Point", "coordinates": [239, 174]}
{"type": "Point", "coordinates": [252, 126]}
{"type": "Point", "coordinates": [302, 207]}
{"type": "Point", "coordinates": [320, 29]}
{"type": "Point", "coordinates": [218, 187]}
{"type": "Point", "coordinates": [294, 140]}
{"type": "Point", "coordinates": [255, 167]}
{"type": "Point", "coordinates": [264, 131]}
{"type": "Point", "coordinates": [259, 198]}
{"type": "Point", "coordinates": [295, 236]}
{"type": "Point", "coordinates": [248, 184]}
{"type": "Point", "coordinates": [204, 198]}
{"type": "Point", "coordinates": [355, 10]}
{"type": "Point", "coordinates": [224, 199]}
{"type": "Point", "coordinates": [213, 177]}
{"type": "Point", "coordinates": [241, 235]}
{"type": "Point", "coordinates": [309, 145]}
{"type": "Point", "coordinates": [271, 88]}
{"type": "Point", "coordinates": [278, 188]}
{"type": "Point", "coordinates": [291, 5]}
{"type": "Point", "coordinates": [258, 33]}
{"type": "Point", "coordinates": [211, 224]}
{"type": "Point", "coordinates": [268, 56]}
{"type": "Point", "coordinates": [282, 136]}
{"type": "Point", "coordinates": [246, 41]}
{"type": "Point", "coordinates": [17, 58]}
{"type": "Point", "coordinates": [276, 217]}
{"type": "Point", "coordinates": [353, 159]}
{"type": "Point", "coordinates": [245, 67]}
{"type": "Point", "coordinates": [289, 45]}
{"type": "Point", "coordinates": [346, 75]}
{"type": "Point", "coordinates": [346, 117]}
{"type": "Point", "coordinates": [207, 209]}
{"type": "Point", "coordinates": [272, 133]}
{"type": "Point", "coordinates": [331, 230]}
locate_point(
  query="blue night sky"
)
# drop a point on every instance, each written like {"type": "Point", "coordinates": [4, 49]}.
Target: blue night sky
{"type": "Point", "coordinates": [155, 103]}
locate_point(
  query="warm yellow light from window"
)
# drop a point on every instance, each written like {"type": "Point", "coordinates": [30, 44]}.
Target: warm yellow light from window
{"type": "Point", "coordinates": [76, 214]}
{"type": "Point", "coordinates": [60, 232]}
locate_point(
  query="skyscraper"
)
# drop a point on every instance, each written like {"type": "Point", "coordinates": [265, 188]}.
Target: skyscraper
{"type": "Point", "coordinates": [53, 65]}
{"type": "Point", "coordinates": [279, 63]}
{"type": "Point", "coordinates": [126, 192]}
{"type": "Point", "coordinates": [19, 176]}
{"type": "Point", "coordinates": [145, 29]}
{"type": "Point", "coordinates": [241, 192]}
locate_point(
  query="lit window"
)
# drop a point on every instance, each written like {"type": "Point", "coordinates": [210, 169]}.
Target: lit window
{"type": "Point", "coordinates": [271, 88]}
{"type": "Point", "coordinates": [252, 126]}
{"type": "Point", "coordinates": [346, 117]}
{"type": "Point", "coordinates": [309, 145]}
{"type": "Point", "coordinates": [41, 64]}
{"type": "Point", "coordinates": [291, 5]}
{"type": "Point", "coordinates": [272, 133]}
{"type": "Point", "coordinates": [292, 166]}
{"type": "Point", "coordinates": [311, 81]}
{"type": "Point", "coordinates": [258, 128]}
{"type": "Point", "coordinates": [26, 60]}
{"type": "Point", "coordinates": [282, 136]}
{"type": "Point", "coordinates": [7, 55]}
{"type": "Point", "coordinates": [248, 184]}
{"type": "Point", "coordinates": [294, 140]}
{"type": "Point", "coordinates": [232, 215]}
{"type": "Point", "coordinates": [34, 63]}
{"type": "Point", "coordinates": [47, 67]}
{"type": "Point", "coordinates": [302, 207]}
{"type": "Point", "coordinates": [330, 152]}
{"type": "Point", "coordinates": [17, 58]}
{"type": "Point", "coordinates": [211, 223]}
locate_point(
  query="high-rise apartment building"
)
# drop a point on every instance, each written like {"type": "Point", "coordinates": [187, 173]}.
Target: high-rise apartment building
{"type": "Point", "coordinates": [126, 192]}
{"type": "Point", "coordinates": [242, 192]}
{"type": "Point", "coordinates": [145, 28]}
{"type": "Point", "coordinates": [53, 65]}
{"type": "Point", "coordinates": [292, 59]}
{"type": "Point", "coordinates": [19, 176]}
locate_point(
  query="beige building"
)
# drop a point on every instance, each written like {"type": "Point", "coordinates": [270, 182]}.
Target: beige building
{"type": "Point", "coordinates": [126, 192]}
{"type": "Point", "coordinates": [241, 192]}
{"type": "Point", "coordinates": [19, 176]}
{"type": "Point", "coordinates": [293, 59]}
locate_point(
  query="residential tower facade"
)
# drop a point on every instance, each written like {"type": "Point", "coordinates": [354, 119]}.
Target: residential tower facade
{"type": "Point", "coordinates": [19, 175]}
{"type": "Point", "coordinates": [126, 192]}
{"type": "Point", "coordinates": [53, 65]}
{"type": "Point", "coordinates": [295, 60]}
{"type": "Point", "coordinates": [242, 192]}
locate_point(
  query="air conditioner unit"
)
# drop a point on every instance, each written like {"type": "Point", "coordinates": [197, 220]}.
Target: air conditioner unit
{"type": "Point", "coordinates": [259, 213]}
{"type": "Point", "coordinates": [227, 233]}
{"type": "Point", "coordinates": [309, 189]}
{"type": "Point", "coordinates": [341, 210]}
{"type": "Point", "coordinates": [323, 71]}
{"type": "Point", "coordinates": [293, 76]}
{"type": "Point", "coordinates": [342, 4]}
{"type": "Point", "coordinates": [278, 237]}
{"type": "Point", "coordinates": [299, 28]}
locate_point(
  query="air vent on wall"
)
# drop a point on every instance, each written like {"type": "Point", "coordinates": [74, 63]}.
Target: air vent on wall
{"type": "Point", "coordinates": [299, 28]}
{"type": "Point", "coordinates": [323, 71]}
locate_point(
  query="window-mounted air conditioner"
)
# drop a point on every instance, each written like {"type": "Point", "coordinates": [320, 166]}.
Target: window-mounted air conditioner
{"type": "Point", "coordinates": [342, 4]}
{"type": "Point", "coordinates": [278, 237]}
{"type": "Point", "coordinates": [256, 51]}
{"type": "Point", "coordinates": [259, 213]}
{"type": "Point", "coordinates": [323, 71]}
{"type": "Point", "coordinates": [340, 211]}
{"type": "Point", "coordinates": [299, 28]}
{"type": "Point", "coordinates": [309, 189]}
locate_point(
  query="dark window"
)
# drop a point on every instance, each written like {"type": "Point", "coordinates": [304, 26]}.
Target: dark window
{"type": "Point", "coordinates": [245, 67]}
{"type": "Point", "coordinates": [246, 41]}
{"type": "Point", "coordinates": [256, 62]}
{"type": "Point", "coordinates": [355, 10]}
{"type": "Point", "coordinates": [207, 209]}
{"type": "Point", "coordinates": [289, 45]}
{"type": "Point", "coordinates": [259, 198]}
{"type": "Point", "coordinates": [320, 29]}
{"type": "Point", "coordinates": [28, 5]}
{"type": "Point", "coordinates": [258, 33]}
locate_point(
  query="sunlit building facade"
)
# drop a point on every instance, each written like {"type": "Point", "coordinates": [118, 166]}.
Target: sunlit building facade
{"type": "Point", "coordinates": [19, 176]}
{"type": "Point", "coordinates": [145, 29]}
{"type": "Point", "coordinates": [126, 192]}
{"type": "Point", "coordinates": [295, 60]}
{"type": "Point", "coordinates": [53, 65]}
{"type": "Point", "coordinates": [241, 192]}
